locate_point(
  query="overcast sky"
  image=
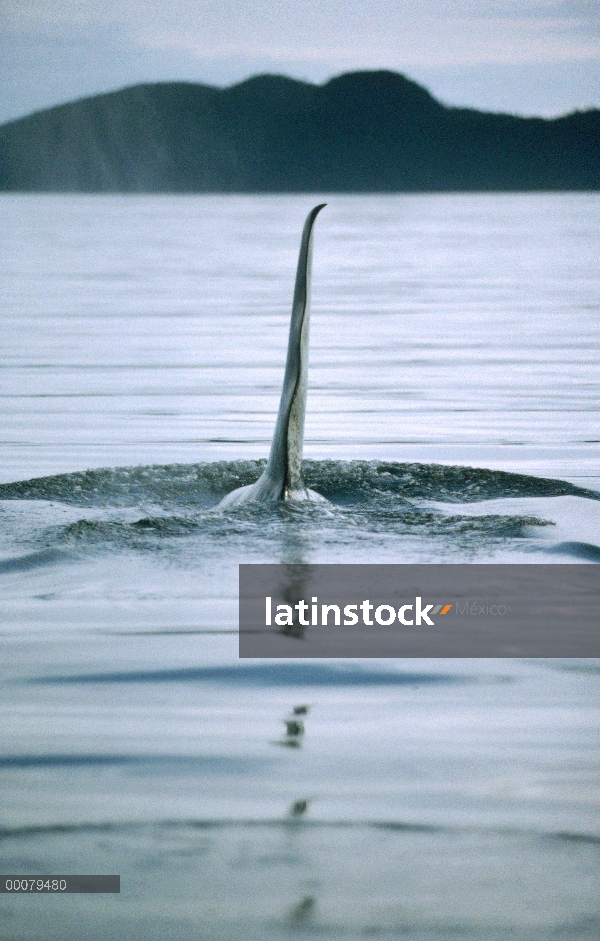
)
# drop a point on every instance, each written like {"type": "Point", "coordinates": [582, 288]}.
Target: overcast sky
{"type": "Point", "coordinates": [519, 56]}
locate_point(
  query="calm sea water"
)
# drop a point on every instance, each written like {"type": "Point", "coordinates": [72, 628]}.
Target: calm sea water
{"type": "Point", "coordinates": [454, 349]}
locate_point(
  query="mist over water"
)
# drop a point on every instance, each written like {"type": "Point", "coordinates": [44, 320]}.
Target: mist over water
{"type": "Point", "coordinates": [452, 416]}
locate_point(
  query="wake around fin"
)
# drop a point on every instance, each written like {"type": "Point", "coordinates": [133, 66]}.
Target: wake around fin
{"type": "Point", "coordinates": [282, 477]}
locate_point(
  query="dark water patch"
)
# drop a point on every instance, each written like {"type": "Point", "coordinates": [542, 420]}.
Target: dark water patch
{"type": "Point", "coordinates": [286, 823]}
{"type": "Point", "coordinates": [341, 482]}
{"type": "Point", "coordinates": [164, 525]}
{"type": "Point", "coordinates": [174, 510]}
{"type": "Point", "coordinates": [164, 827]}
{"type": "Point", "coordinates": [401, 827]}
{"type": "Point", "coordinates": [165, 486]}
{"type": "Point", "coordinates": [592, 669]}
{"type": "Point", "coordinates": [206, 764]}
{"type": "Point", "coordinates": [586, 551]}
{"type": "Point", "coordinates": [267, 675]}
{"type": "Point", "coordinates": [33, 560]}
{"type": "Point", "coordinates": [59, 829]}
{"type": "Point", "coordinates": [386, 512]}
{"type": "Point", "coordinates": [567, 836]}
{"type": "Point", "coordinates": [177, 631]}
{"type": "Point", "coordinates": [277, 823]}
{"type": "Point", "coordinates": [511, 527]}
{"type": "Point", "coordinates": [348, 481]}
{"type": "Point", "coordinates": [580, 929]}
{"type": "Point", "coordinates": [587, 666]}
{"type": "Point", "coordinates": [385, 516]}
{"type": "Point", "coordinates": [113, 532]}
{"type": "Point", "coordinates": [262, 524]}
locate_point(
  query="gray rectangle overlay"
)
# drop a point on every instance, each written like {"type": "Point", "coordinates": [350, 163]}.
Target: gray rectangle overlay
{"type": "Point", "coordinates": [58, 885]}
{"type": "Point", "coordinates": [479, 610]}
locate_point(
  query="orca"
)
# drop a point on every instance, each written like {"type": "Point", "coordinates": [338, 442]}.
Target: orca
{"type": "Point", "coordinates": [281, 479]}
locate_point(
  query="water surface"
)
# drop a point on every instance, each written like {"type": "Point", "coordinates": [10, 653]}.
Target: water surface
{"type": "Point", "coordinates": [452, 416]}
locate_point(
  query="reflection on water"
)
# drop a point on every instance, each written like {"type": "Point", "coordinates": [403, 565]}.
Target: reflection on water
{"type": "Point", "coordinates": [428, 798]}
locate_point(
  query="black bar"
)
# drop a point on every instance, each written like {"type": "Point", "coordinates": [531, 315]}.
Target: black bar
{"type": "Point", "coordinates": [58, 885]}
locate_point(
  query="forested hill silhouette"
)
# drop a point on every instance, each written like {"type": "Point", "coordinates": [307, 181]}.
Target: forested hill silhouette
{"type": "Point", "coordinates": [360, 132]}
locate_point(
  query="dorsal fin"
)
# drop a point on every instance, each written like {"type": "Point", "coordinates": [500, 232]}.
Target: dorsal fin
{"type": "Point", "coordinates": [282, 477]}
{"type": "Point", "coordinates": [285, 460]}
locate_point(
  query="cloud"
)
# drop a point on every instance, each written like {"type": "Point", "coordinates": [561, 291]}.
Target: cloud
{"type": "Point", "coordinates": [367, 32]}
{"type": "Point", "coordinates": [56, 50]}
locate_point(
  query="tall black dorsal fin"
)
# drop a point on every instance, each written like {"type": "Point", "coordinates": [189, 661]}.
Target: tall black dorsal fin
{"type": "Point", "coordinates": [282, 477]}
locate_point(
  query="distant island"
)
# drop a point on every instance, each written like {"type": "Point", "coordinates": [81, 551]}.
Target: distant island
{"type": "Point", "coordinates": [363, 132]}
